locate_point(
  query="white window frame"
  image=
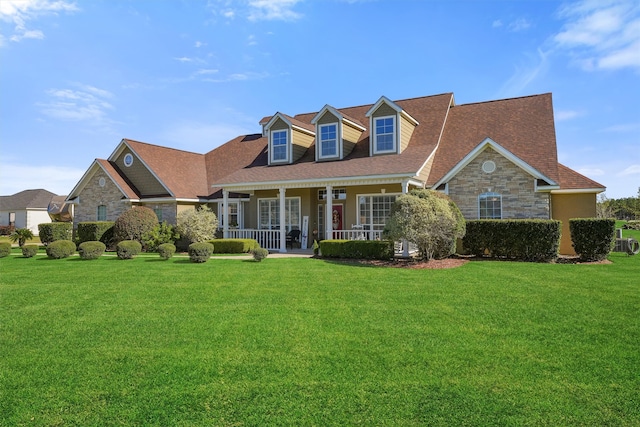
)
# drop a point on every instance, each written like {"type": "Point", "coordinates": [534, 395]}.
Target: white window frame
{"type": "Point", "coordinates": [483, 197]}
{"type": "Point", "coordinates": [372, 226]}
{"type": "Point", "coordinates": [323, 141]}
{"type": "Point", "coordinates": [274, 219]}
{"type": "Point", "coordinates": [394, 135]}
{"type": "Point", "coordinates": [238, 213]}
{"type": "Point", "coordinates": [272, 147]}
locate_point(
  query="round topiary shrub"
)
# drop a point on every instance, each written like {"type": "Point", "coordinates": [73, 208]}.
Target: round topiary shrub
{"type": "Point", "coordinates": [61, 249]}
{"type": "Point", "coordinates": [200, 251]}
{"type": "Point", "coordinates": [91, 249]}
{"type": "Point", "coordinates": [29, 251]}
{"type": "Point", "coordinates": [134, 223]}
{"type": "Point", "coordinates": [5, 249]}
{"type": "Point", "coordinates": [127, 249]}
{"type": "Point", "coordinates": [259, 254]}
{"type": "Point", "coordinates": [166, 250]}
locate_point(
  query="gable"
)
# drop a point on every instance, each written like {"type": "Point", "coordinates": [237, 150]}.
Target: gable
{"type": "Point", "coordinates": [139, 175]}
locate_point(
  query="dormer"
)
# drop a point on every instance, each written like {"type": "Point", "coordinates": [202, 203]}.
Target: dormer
{"type": "Point", "coordinates": [391, 127]}
{"type": "Point", "coordinates": [336, 134]}
{"type": "Point", "coordinates": [288, 138]}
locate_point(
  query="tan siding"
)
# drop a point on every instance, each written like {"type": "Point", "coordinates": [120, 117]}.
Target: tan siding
{"type": "Point", "coordinates": [140, 176]}
{"type": "Point", "coordinates": [279, 125]}
{"type": "Point", "coordinates": [301, 142]}
{"type": "Point", "coordinates": [327, 118]}
{"type": "Point", "coordinates": [384, 110]}
{"type": "Point", "coordinates": [406, 130]}
{"type": "Point", "coordinates": [350, 137]}
{"type": "Point", "coordinates": [424, 173]}
{"type": "Point", "coordinates": [567, 206]}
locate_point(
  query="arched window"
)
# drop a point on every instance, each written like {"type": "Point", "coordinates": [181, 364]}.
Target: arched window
{"type": "Point", "coordinates": [490, 206]}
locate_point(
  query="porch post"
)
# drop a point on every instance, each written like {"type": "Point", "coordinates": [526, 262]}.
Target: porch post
{"type": "Point", "coordinates": [328, 217]}
{"type": "Point", "coordinates": [405, 244]}
{"type": "Point", "coordinates": [283, 226]}
{"type": "Point", "coordinates": [225, 214]}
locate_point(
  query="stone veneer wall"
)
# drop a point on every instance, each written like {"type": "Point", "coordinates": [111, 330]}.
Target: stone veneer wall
{"type": "Point", "coordinates": [168, 211]}
{"type": "Point", "coordinates": [93, 196]}
{"type": "Point", "coordinates": [519, 199]}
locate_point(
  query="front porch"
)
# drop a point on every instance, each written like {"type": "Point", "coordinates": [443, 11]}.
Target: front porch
{"type": "Point", "coordinates": [272, 239]}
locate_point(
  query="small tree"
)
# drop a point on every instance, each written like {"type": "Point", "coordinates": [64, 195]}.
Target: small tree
{"type": "Point", "coordinates": [21, 235]}
{"type": "Point", "coordinates": [197, 225]}
{"type": "Point", "coordinates": [161, 233]}
{"type": "Point", "coordinates": [134, 223]}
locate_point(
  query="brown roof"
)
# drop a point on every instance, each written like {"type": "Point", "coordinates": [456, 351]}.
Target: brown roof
{"type": "Point", "coordinates": [27, 199]}
{"type": "Point", "coordinates": [572, 180]}
{"type": "Point", "coordinates": [524, 126]}
{"type": "Point", "coordinates": [112, 170]}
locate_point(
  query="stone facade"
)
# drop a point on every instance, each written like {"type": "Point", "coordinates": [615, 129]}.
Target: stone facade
{"type": "Point", "coordinates": [517, 187]}
{"type": "Point", "coordinates": [94, 195]}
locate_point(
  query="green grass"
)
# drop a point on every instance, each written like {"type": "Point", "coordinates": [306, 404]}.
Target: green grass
{"type": "Point", "coordinates": [308, 342]}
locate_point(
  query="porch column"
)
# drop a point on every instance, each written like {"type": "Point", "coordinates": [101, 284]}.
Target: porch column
{"type": "Point", "coordinates": [225, 214]}
{"type": "Point", "coordinates": [283, 226]}
{"type": "Point", "coordinates": [328, 217]}
{"type": "Point", "coordinates": [405, 244]}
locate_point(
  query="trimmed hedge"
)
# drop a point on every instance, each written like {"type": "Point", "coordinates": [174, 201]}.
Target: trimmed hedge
{"type": "Point", "coordinates": [593, 238]}
{"type": "Point", "coordinates": [134, 223]}
{"type": "Point", "coordinates": [259, 254]}
{"type": "Point", "coordinates": [5, 249]}
{"type": "Point", "coordinates": [61, 249]}
{"type": "Point", "coordinates": [200, 251]}
{"type": "Point", "coordinates": [234, 246]}
{"type": "Point", "coordinates": [166, 250]}
{"type": "Point", "coordinates": [91, 249]}
{"type": "Point", "coordinates": [633, 224]}
{"type": "Point", "coordinates": [95, 231]}
{"type": "Point", "coordinates": [52, 231]}
{"type": "Point", "coordinates": [357, 249]}
{"type": "Point", "coordinates": [536, 240]}
{"type": "Point", "coordinates": [29, 251]}
{"type": "Point", "coordinates": [127, 249]}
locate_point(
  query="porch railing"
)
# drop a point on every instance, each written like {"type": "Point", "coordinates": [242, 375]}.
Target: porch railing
{"type": "Point", "coordinates": [357, 234]}
{"type": "Point", "coordinates": [268, 239]}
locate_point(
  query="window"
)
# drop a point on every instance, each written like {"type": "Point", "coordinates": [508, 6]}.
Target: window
{"type": "Point", "coordinates": [102, 213]}
{"type": "Point", "coordinates": [328, 140]}
{"type": "Point", "coordinates": [158, 212]}
{"type": "Point", "coordinates": [373, 211]}
{"type": "Point", "coordinates": [279, 146]}
{"type": "Point", "coordinates": [128, 159]}
{"type": "Point", "coordinates": [269, 213]}
{"type": "Point", "coordinates": [385, 136]}
{"type": "Point", "coordinates": [490, 206]}
{"type": "Point", "coordinates": [338, 194]}
{"type": "Point", "coordinates": [234, 214]}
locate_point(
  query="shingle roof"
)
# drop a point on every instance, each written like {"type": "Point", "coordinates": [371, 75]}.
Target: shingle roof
{"type": "Point", "coordinates": [572, 180]}
{"type": "Point", "coordinates": [130, 192]}
{"type": "Point", "coordinates": [27, 199]}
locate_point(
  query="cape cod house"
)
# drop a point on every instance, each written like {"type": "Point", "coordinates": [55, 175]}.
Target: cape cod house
{"type": "Point", "coordinates": [336, 172]}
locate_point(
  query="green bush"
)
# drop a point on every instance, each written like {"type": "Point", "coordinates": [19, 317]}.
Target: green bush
{"type": "Point", "coordinates": [633, 224]}
{"type": "Point", "coordinates": [91, 249]}
{"type": "Point", "coordinates": [5, 249]}
{"type": "Point", "coordinates": [61, 249]}
{"type": "Point", "coordinates": [357, 249]}
{"type": "Point", "coordinates": [593, 238]}
{"type": "Point", "coordinates": [200, 251]}
{"type": "Point", "coordinates": [96, 231]}
{"type": "Point", "coordinates": [234, 246]}
{"type": "Point", "coordinates": [52, 231]}
{"type": "Point", "coordinates": [166, 250]}
{"type": "Point", "coordinates": [259, 254]}
{"type": "Point", "coordinates": [134, 223]}
{"type": "Point", "coordinates": [29, 251]}
{"type": "Point", "coordinates": [127, 249]}
{"type": "Point", "coordinates": [534, 240]}
{"type": "Point", "coordinates": [161, 233]}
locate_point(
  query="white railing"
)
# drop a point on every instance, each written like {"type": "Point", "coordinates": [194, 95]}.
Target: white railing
{"type": "Point", "coordinates": [357, 234]}
{"type": "Point", "coordinates": [268, 239]}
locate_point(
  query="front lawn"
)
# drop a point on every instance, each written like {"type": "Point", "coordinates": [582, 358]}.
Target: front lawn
{"type": "Point", "coordinates": [308, 342]}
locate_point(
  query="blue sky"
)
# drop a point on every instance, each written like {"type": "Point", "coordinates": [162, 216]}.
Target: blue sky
{"type": "Point", "coordinates": [78, 76]}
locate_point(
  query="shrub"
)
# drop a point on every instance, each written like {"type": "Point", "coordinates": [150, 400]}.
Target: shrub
{"type": "Point", "coordinates": [593, 238]}
{"type": "Point", "coordinates": [166, 250]}
{"type": "Point", "coordinates": [91, 249]}
{"type": "Point", "coordinates": [5, 249]}
{"type": "Point", "coordinates": [134, 223]}
{"type": "Point", "coordinates": [127, 249]}
{"type": "Point", "coordinates": [29, 251]}
{"type": "Point", "coordinates": [234, 246]}
{"type": "Point", "coordinates": [61, 249]}
{"type": "Point", "coordinates": [357, 249]}
{"type": "Point", "coordinates": [526, 240]}
{"type": "Point", "coordinates": [200, 251]}
{"type": "Point", "coordinates": [197, 225]}
{"type": "Point", "coordinates": [634, 224]}
{"type": "Point", "coordinates": [161, 233]}
{"type": "Point", "coordinates": [52, 231]}
{"type": "Point", "coordinates": [259, 254]}
{"type": "Point", "coordinates": [96, 231]}
{"type": "Point", "coordinates": [21, 235]}
{"type": "Point", "coordinates": [6, 230]}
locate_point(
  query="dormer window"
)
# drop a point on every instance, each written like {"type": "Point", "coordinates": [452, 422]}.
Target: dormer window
{"type": "Point", "coordinates": [279, 149]}
{"type": "Point", "coordinates": [385, 134]}
{"type": "Point", "coordinates": [328, 141]}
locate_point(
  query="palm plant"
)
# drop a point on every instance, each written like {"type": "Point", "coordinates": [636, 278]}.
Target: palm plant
{"type": "Point", "coordinates": [21, 235]}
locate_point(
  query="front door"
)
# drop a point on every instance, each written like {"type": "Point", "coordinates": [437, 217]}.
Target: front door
{"type": "Point", "coordinates": [337, 220]}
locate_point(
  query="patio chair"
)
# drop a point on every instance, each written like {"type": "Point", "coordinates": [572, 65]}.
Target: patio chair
{"type": "Point", "coordinates": [293, 237]}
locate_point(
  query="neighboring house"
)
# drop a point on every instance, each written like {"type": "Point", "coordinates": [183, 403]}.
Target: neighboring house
{"type": "Point", "coordinates": [26, 209]}
{"type": "Point", "coordinates": [338, 171]}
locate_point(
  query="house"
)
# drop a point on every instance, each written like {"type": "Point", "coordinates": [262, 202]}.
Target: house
{"type": "Point", "coordinates": [336, 172]}
{"type": "Point", "coordinates": [26, 209]}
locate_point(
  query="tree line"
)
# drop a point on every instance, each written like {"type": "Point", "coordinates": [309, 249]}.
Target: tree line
{"type": "Point", "coordinates": [626, 208]}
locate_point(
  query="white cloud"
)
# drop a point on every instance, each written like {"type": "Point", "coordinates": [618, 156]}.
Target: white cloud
{"type": "Point", "coordinates": [20, 12]}
{"type": "Point", "coordinates": [525, 75]}
{"type": "Point", "coordinates": [520, 24]}
{"type": "Point", "coordinates": [566, 115]}
{"type": "Point", "coordinates": [199, 44]}
{"type": "Point", "coordinates": [272, 10]}
{"type": "Point", "coordinates": [631, 170]}
{"type": "Point", "coordinates": [591, 172]}
{"type": "Point", "coordinates": [601, 34]}
{"type": "Point", "coordinates": [57, 179]}
{"type": "Point", "coordinates": [86, 103]}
